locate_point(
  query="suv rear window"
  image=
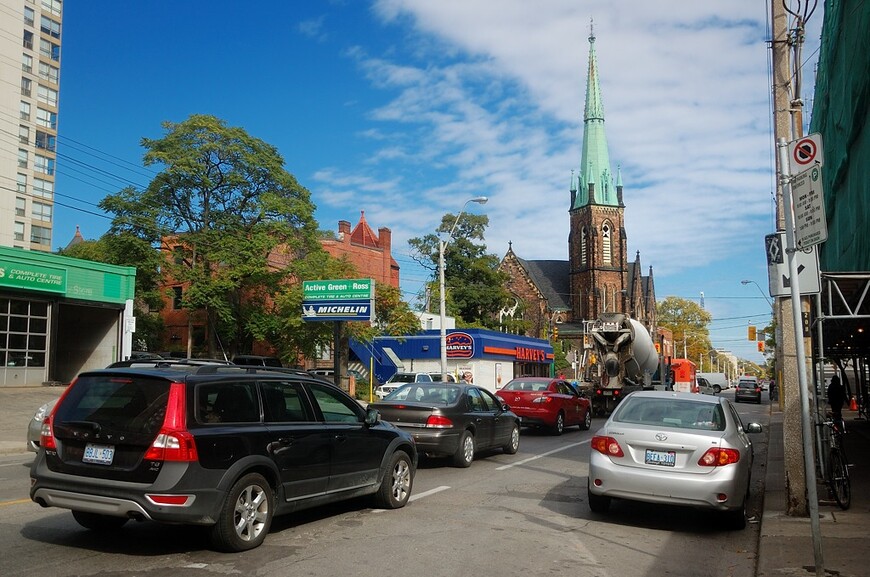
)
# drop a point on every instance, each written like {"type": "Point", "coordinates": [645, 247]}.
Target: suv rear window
{"type": "Point", "coordinates": [133, 404]}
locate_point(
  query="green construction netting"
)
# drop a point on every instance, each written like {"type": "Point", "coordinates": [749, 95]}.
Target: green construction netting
{"type": "Point", "coordinates": [841, 111]}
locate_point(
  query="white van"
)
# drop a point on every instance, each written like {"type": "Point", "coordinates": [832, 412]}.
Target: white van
{"type": "Point", "coordinates": [718, 381]}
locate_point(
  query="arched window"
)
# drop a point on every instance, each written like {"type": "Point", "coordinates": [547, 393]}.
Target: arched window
{"type": "Point", "coordinates": [606, 244]}
{"type": "Point", "coordinates": [583, 236]}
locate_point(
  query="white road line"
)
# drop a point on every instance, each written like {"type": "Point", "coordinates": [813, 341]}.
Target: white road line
{"type": "Point", "coordinates": [419, 496]}
{"type": "Point", "coordinates": [524, 461]}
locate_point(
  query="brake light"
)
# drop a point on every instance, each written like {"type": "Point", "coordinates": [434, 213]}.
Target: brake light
{"type": "Point", "coordinates": [607, 446]}
{"type": "Point", "coordinates": [174, 442]}
{"type": "Point", "coordinates": [543, 399]}
{"type": "Point", "coordinates": [438, 422]}
{"type": "Point", "coordinates": [170, 500]}
{"type": "Point", "coordinates": [718, 456]}
{"type": "Point", "coordinates": [46, 434]}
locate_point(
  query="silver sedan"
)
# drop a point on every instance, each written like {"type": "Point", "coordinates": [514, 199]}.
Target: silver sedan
{"type": "Point", "coordinates": [673, 448]}
{"type": "Point", "coordinates": [34, 428]}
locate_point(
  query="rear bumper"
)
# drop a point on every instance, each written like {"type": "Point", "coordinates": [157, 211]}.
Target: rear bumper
{"type": "Point", "coordinates": [435, 442]}
{"type": "Point", "coordinates": [660, 485]}
{"type": "Point", "coordinates": [126, 499]}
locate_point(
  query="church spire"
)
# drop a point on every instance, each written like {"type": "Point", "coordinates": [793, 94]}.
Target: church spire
{"type": "Point", "coordinates": [596, 179]}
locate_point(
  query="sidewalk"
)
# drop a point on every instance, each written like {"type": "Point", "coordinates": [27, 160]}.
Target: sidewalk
{"type": "Point", "coordinates": [786, 543]}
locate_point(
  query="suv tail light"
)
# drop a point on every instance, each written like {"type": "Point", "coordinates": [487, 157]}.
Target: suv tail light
{"type": "Point", "coordinates": [718, 456]}
{"type": "Point", "coordinates": [607, 446]}
{"type": "Point", "coordinates": [174, 442]}
{"type": "Point", "coordinates": [46, 434]}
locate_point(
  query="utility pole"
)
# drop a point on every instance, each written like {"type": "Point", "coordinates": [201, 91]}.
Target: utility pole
{"type": "Point", "coordinates": [786, 350]}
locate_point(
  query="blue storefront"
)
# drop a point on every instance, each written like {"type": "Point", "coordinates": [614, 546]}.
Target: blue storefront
{"type": "Point", "coordinates": [491, 358]}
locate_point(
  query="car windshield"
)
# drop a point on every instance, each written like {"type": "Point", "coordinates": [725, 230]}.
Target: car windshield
{"type": "Point", "coordinates": [425, 393]}
{"type": "Point", "coordinates": [676, 413]}
{"type": "Point", "coordinates": [401, 378]}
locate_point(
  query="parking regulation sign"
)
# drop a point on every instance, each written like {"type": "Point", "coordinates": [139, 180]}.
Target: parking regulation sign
{"type": "Point", "coordinates": [804, 153]}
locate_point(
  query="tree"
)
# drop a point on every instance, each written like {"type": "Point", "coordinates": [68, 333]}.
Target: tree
{"type": "Point", "coordinates": [688, 323]}
{"type": "Point", "coordinates": [126, 249]}
{"type": "Point", "coordinates": [475, 288]}
{"type": "Point", "coordinates": [223, 205]}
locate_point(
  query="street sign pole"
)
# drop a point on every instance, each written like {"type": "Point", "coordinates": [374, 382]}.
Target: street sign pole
{"type": "Point", "coordinates": [806, 426]}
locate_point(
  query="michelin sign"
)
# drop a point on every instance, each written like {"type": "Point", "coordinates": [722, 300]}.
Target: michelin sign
{"type": "Point", "coordinates": [338, 300]}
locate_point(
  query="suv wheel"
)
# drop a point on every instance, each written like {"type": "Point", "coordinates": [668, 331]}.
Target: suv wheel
{"type": "Point", "coordinates": [396, 485]}
{"type": "Point", "coordinates": [97, 522]}
{"type": "Point", "coordinates": [465, 453]}
{"type": "Point", "coordinates": [246, 515]}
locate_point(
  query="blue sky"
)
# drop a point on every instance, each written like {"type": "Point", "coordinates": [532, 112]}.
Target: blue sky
{"type": "Point", "coordinates": [407, 108]}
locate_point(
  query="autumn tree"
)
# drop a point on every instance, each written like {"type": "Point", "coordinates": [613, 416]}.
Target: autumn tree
{"type": "Point", "coordinates": [688, 322]}
{"type": "Point", "coordinates": [474, 285]}
{"type": "Point", "coordinates": [223, 205]}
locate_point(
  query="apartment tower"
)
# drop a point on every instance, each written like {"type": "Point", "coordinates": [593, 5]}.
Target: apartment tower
{"type": "Point", "coordinates": [30, 48]}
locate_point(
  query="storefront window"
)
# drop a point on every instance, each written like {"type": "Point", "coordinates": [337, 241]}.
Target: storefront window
{"type": "Point", "coordinates": [23, 333]}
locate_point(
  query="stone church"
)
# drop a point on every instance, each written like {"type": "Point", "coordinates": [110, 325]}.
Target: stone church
{"type": "Point", "coordinates": [558, 298]}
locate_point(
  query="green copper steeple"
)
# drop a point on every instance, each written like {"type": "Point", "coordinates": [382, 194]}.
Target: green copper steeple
{"type": "Point", "coordinates": [595, 162]}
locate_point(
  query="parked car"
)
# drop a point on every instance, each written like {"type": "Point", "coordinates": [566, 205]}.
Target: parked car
{"type": "Point", "coordinates": [400, 379]}
{"type": "Point", "coordinates": [707, 388]}
{"type": "Point", "coordinates": [452, 420]}
{"type": "Point", "coordinates": [34, 428]}
{"type": "Point", "coordinates": [546, 402]}
{"type": "Point", "coordinates": [257, 361]}
{"type": "Point", "coordinates": [673, 449]}
{"type": "Point", "coordinates": [747, 389]}
{"type": "Point", "coordinates": [222, 446]}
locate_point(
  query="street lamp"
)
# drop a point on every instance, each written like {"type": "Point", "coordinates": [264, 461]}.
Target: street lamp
{"type": "Point", "coordinates": [442, 247]}
{"type": "Point", "coordinates": [767, 298]}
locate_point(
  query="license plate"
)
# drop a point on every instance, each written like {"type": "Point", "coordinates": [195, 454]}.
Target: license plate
{"type": "Point", "coordinates": [98, 454]}
{"type": "Point", "coordinates": [663, 458]}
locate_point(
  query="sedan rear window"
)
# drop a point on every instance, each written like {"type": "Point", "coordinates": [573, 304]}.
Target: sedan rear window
{"type": "Point", "coordinates": [681, 414]}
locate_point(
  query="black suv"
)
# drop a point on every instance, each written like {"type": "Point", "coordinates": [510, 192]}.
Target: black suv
{"type": "Point", "coordinates": [216, 445]}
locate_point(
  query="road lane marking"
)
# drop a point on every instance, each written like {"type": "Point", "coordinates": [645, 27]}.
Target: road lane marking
{"type": "Point", "coordinates": [547, 454]}
{"type": "Point", "coordinates": [419, 496]}
{"type": "Point", "coordinates": [15, 502]}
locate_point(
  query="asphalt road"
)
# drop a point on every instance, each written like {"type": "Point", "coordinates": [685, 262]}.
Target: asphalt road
{"type": "Point", "coordinates": [522, 514]}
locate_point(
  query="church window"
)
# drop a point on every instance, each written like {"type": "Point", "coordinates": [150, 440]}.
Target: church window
{"type": "Point", "coordinates": [583, 236]}
{"type": "Point", "coordinates": [607, 247]}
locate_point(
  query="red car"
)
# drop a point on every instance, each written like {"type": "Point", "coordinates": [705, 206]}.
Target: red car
{"type": "Point", "coordinates": [546, 402]}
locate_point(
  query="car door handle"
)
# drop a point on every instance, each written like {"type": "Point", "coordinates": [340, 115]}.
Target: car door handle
{"type": "Point", "coordinates": [340, 438]}
{"type": "Point", "coordinates": [285, 441]}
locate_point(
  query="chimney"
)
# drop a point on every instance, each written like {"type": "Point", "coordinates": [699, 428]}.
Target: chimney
{"type": "Point", "coordinates": [344, 230]}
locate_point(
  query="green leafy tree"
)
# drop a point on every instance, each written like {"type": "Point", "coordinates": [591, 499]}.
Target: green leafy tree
{"type": "Point", "coordinates": [296, 337]}
{"type": "Point", "coordinates": [475, 287]}
{"type": "Point", "coordinates": [688, 322]}
{"type": "Point", "coordinates": [126, 249]}
{"type": "Point", "coordinates": [223, 204]}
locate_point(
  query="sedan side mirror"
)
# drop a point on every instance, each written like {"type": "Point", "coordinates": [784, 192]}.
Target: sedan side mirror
{"type": "Point", "coordinates": [753, 428]}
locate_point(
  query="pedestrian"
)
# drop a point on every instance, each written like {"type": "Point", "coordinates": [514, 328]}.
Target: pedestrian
{"type": "Point", "coordinates": [773, 392]}
{"type": "Point", "coordinates": [836, 398]}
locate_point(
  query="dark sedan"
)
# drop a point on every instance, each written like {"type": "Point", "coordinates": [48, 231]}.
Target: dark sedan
{"type": "Point", "coordinates": [452, 419]}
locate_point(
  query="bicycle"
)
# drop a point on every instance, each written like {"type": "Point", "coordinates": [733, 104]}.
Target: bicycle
{"type": "Point", "coordinates": [835, 466]}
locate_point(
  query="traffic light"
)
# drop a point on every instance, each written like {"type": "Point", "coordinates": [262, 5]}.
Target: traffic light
{"type": "Point", "coordinates": [752, 332]}
{"type": "Point", "coordinates": [555, 333]}
{"type": "Point", "coordinates": [760, 346]}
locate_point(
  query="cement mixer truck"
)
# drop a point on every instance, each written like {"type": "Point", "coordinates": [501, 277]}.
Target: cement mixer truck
{"type": "Point", "coordinates": [623, 359]}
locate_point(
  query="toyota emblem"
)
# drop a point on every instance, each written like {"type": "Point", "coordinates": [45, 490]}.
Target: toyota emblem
{"type": "Point", "coordinates": [661, 437]}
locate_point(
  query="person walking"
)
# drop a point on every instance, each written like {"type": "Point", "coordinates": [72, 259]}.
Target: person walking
{"type": "Point", "coordinates": [836, 398]}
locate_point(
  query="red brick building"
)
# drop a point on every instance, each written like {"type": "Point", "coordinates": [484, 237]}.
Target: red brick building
{"type": "Point", "coordinates": [370, 253]}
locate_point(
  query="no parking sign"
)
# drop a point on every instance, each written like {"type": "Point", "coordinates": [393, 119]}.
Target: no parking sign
{"type": "Point", "coordinates": [804, 153]}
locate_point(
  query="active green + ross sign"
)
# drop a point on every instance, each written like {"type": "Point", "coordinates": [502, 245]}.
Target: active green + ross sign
{"type": "Point", "coordinates": [338, 290]}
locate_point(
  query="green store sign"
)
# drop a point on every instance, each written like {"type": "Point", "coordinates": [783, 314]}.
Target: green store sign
{"type": "Point", "coordinates": [338, 290]}
{"type": "Point", "coordinates": [32, 277]}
